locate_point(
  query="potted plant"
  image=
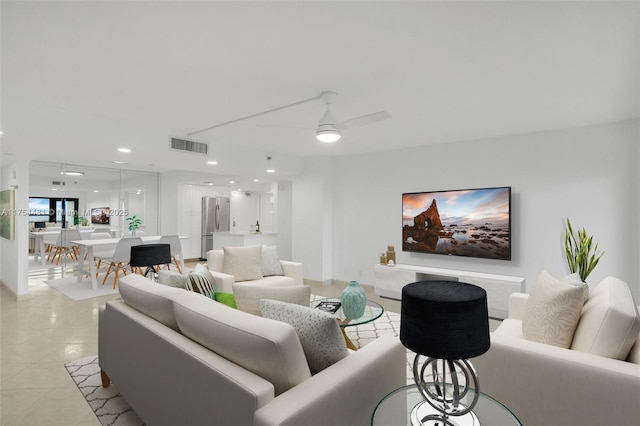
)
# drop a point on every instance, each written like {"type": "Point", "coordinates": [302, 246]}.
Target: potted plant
{"type": "Point", "coordinates": [582, 254]}
{"type": "Point", "coordinates": [134, 224]}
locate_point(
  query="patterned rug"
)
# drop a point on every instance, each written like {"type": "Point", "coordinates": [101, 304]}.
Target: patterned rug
{"type": "Point", "coordinates": [111, 409]}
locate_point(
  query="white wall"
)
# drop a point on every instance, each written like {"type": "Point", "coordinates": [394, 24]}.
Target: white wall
{"type": "Point", "coordinates": [14, 254]}
{"type": "Point", "coordinates": [588, 174]}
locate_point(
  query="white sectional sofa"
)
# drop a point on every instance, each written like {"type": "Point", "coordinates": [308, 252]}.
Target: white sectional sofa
{"type": "Point", "coordinates": [180, 358]}
{"type": "Point", "coordinates": [292, 273]}
{"type": "Point", "coordinates": [549, 385]}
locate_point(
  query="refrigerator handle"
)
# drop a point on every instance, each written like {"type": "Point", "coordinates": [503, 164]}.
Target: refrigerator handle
{"type": "Point", "coordinates": [217, 217]}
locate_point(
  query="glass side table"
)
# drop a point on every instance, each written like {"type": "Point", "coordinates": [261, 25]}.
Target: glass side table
{"type": "Point", "coordinates": [395, 409]}
{"type": "Point", "coordinates": [372, 312]}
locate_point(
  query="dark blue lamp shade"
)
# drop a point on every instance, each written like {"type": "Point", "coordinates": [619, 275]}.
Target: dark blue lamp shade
{"type": "Point", "coordinates": [444, 319]}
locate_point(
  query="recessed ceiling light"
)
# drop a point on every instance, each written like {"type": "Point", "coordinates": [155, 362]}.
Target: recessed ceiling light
{"type": "Point", "coordinates": [212, 162]}
{"type": "Point", "coordinates": [95, 190]}
{"type": "Point", "coordinates": [270, 171]}
{"type": "Point", "coordinates": [54, 189]}
{"type": "Point", "coordinates": [124, 150]}
{"type": "Point", "coordinates": [118, 162]}
{"type": "Point", "coordinates": [72, 173]}
{"type": "Point", "coordinates": [232, 181]}
{"type": "Point", "coordinates": [256, 180]}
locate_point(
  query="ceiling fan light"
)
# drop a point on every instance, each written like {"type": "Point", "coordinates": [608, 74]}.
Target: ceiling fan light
{"type": "Point", "coordinates": [328, 134]}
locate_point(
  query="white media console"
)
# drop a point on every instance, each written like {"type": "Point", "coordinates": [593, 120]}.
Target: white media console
{"type": "Point", "coordinates": [391, 279]}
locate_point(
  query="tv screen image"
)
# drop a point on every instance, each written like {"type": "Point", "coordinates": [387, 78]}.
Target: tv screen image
{"type": "Point", "coordinates": [469, 222]}
{"type": "Point", "coordinates": [100, 215]}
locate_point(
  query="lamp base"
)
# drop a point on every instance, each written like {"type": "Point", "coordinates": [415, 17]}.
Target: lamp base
{"type": "Point", "coordinates": [424, 414]}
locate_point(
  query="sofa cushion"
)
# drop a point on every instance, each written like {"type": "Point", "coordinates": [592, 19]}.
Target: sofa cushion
{"type": "Point", "coordinates": [270, 261]}
{"type": "Point", "coordinates": [248, 296]}
{"type": "Point", "coordinates": [244, 263]}
{"type": "Point", "coordinates": [319, 332]}
{"type": "Point", "coordinates": [634, 353]}
{"type": "Point", "coordinates": [201, 281]}
{"type": "Point", "coordinates": [268, 348]}
{"type": "Point", "coordinates": [609, 323]}
{"type": "Point", "coordinates": [152, 299]}
{"type": "Point", "coordinates": [552, 311]}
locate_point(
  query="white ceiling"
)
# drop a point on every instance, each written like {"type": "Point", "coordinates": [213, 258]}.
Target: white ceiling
{"type": "Point", "coordinates": [80, 79]}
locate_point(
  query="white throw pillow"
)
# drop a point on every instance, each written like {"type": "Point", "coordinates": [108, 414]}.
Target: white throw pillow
{"type": "Point", "coordinates": [574, 279]}
{"type": "Point", "coordinates": [248, 296]}
{"type": "Point", "coordinates": [552, 312]}
{"type": "Point", "coordinates": [319, 332]}
{"type": "Point", "coordinates": [172, 278]}
{"type": "Point", "coordinates": [609, 323]}
{"type": "Point", "coordinates": [244, 263]}
{"type": "Point", "coordinates": [270, 261]}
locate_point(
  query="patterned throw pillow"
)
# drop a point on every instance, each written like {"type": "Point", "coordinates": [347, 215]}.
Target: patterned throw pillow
{"type": "Point", "coordinates": [318, 331]}
{"type": "Point", "coordinates": [172, 278]}
{"type": "Point", "coordinates": [244, 263]}
{"type": "Point", "coordinates": [201, 281]}
{"type": "Point", "coordinates": [552, 312]}
{"type": "Point", "coordinates": [270, 261]}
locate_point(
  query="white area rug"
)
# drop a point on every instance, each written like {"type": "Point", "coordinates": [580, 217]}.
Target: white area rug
{"type": "Point", "coordinates": [111, 409]}
{"type": "Point", "coordinates": [82, 290]}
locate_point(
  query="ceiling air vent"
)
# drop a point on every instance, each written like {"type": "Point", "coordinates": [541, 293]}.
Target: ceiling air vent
{"type": "Point", "coordinates": [189, 146]}
{"type": "Point", "coordinates": [57, 182]}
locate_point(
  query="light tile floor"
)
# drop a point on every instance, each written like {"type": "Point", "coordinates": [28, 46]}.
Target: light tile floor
{"type": "Point", "coordinates": [39, 334]}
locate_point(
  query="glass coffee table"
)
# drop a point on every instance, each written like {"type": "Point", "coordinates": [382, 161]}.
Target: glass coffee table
{"type": "Point", "coordinates": [395, 409]}
{"type": "Point", "coordinates": [372, 312]}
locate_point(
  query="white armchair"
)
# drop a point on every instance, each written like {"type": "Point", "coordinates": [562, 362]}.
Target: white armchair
{"type": "Point", "coordinates": [292, 273]}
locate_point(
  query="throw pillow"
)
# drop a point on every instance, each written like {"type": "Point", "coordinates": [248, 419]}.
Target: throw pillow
{"type": "Point", "coordinates": [319, 332]}
{"type": "Point", "coordinates": [270, 261]}
{"type": "Point", "coordinates": [552, 312]}
{"type": "Point", "coordinates": [172, 278]}
{"type": "Point", "coordinates": [226, 299]}
{"type": "Point", "coordinates": [609, 324]}
{"type": "Point", "coordinates": [244, 263]}
{"type": "Point", "coordinates": [201, 281]}
{"type": "Point", "coordinates": [248, 296]}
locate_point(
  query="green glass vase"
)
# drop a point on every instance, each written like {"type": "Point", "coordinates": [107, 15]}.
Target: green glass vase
{"type": "Point", "coordinates": [354, 300]}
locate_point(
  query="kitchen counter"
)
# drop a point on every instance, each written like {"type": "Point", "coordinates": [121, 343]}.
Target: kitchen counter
{"type": "Point", "coordinates": [221, 239]}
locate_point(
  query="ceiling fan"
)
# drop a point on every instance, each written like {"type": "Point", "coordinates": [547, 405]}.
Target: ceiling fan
{"type": "Point", "coordinates": [328, 130]}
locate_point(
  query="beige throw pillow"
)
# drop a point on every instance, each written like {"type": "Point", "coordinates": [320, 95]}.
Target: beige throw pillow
{"type": "Point", "coordinates": [244, 263]}
{"type": "Point", "coordinates": [318, 331]}
{"type": "Point", "coordinates": [552, 312]}
{"type": "Point", "coordinates": [270, 261]}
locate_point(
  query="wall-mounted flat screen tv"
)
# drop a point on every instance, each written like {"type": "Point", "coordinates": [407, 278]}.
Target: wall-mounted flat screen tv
{"type": "Point", "coordinates": [100, 215]}
{"type": "Point", "coordinates": [469, 222]}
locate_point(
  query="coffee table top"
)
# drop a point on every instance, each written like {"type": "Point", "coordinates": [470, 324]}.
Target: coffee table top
{"type": "Point", "coordinates": [372, 312]}
{"type": "Point", "coordinates": [395, 409]}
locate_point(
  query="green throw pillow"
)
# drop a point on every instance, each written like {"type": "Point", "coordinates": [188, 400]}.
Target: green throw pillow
{"type": "Point", "coordinates": [226, 299]}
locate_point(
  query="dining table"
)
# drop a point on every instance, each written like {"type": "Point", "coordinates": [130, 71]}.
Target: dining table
{"type": "Point", "coordinates": [87, 246]}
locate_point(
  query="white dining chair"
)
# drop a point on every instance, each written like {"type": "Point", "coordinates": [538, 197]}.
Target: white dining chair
{"type": "Point", "coordinates": [176, 249]}
{"type": "Point", "coordinates": [101, 252]}
{"type": "Point", "coordinates": [120, 259]}
{"type": "Point", "coordinates": [63, 245]}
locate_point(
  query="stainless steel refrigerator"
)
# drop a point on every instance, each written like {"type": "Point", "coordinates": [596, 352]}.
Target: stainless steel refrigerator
{"type": "Point", "coordinates": [215, 218]}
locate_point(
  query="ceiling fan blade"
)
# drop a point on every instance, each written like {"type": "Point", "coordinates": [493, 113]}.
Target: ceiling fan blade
{"type": "Point", "coordinates": [363, 120]}
{"type": "Point", "coordinates": [284, 127]}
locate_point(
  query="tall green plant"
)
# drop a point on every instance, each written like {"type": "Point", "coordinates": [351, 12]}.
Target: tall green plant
{"type": "Point", "coordinates": [134, 223]}
{"type": "Point", "coordinates": [582, 254]}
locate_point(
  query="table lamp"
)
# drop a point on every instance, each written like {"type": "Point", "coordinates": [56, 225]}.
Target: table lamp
{"type": "Point", "coordinates": [150, 255]}
{"type": "Point", "coordinates": [447, 322]}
